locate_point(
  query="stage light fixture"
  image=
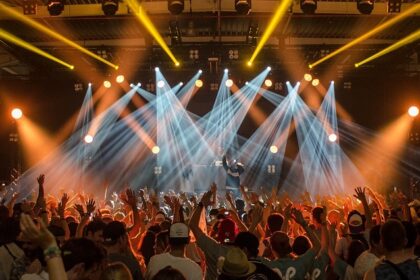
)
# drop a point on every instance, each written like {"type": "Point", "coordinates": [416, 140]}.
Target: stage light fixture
{"type": "Point", "coordinates": [88, 139]}
{"type": "Point", "coordinates": [160, 84]}
{"type": "Point", "coordinates": [17, 113]}
{"type": "Point", "coordinates": [365, 6]}
{"type": "Point", "coordinates": [29, 7]}
{"type": "Point", "coordinates": [155, 150]}
{"type": "Point", "coordinates": [308, 6]}
{"type": "Point", "coordinates": [413, 111]}
{"type": "Point", "coordinates": [246, 83]}
{"type": "Point", "coordinates": [131, 85]}
{"type": "Point", "coordinates": [138, 84]}
{"type": "Point", "coordinates": [274, 149]}
{"type": "Point", "coordinates": [268, 68]}
{"type": "Point", "coordinates": [233, 54]}
{"type": "Point", "coordinates": [332, 137]}
{"type": "Point", "coordinates": [394, 6]}
{"type": "Point", "coordinates": [249, 63]}
{"type": "Point", "coordinates": [175, 6]}
{"type": "Point", "coordinates": [199, 83]}
{"type": "Point", "coordinates": [200, 71]}
{"type": "Point", "coordinates": [315, 82]}
{"type": "Point", "coordinates": [268, 83]}
{"type": "Point", "coordinates": [156, 69]}
{"type": "Point", "coordinates": [90, 84]}
{"type": "Point", "coordinates": [177, 64]}
{"type": "Point", "coordinates": [55, 7]}
{"type": "Point", "coordinates": [229, 83]}
{"type": "Point", "coordinates": [226, 70]}
{"type": "Point", "coordinates": [110, 7]}
{"type": "Point", "coordinates": [243, 7]}
{"type": "Point", "coordinates": [181, 83]}
{"type": "Point", "coordinates": [307, 77]}
{"type": "Point", "coordinates": [120, 79]}
{"type": "Point", "coordinates": [107, 84]}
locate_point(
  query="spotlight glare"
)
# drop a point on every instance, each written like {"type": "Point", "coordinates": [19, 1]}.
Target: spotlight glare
{"type": "Point", "coordinates": [199, 83]}
{"type": "Point", "coordinates": [131, 85]}
{"type": "Point", "coordinates": [307, 77]}
{"type": "Point", "coordinates": [161, 84]}
{"type": "Point", "coordinates": [138, 84]}
{"type": "Point", "coordinates": [413, 111]}
{"type": "Point", "coordinates": [90, 84]}
{"type": "Point", "coordinates": [155, 150]}
{"type": "Point", "coordinates": [226, 70]}
{"type": "Point", "coordinates": [88, 139]}
{"type": "Point", "coordinates": [17, 113]}
{"type": "Point", "coordinates": [332, 137]}
{"type": "Point", "coordinates": [268, 83]}
{"type": "Point", "coordinates": [315, 82]}
{"type": "Point", "coordinates": [269, 68]}
{"type": "Point", "coordinates": [177, 64]}
{"type": "Point", "coordinates": [200, 71]}
{"type": "Point", "coordinates": [120, 79]}
{"type": "Point", "coordinates": [156, 69]}
{"type": "Point", "coordinates": [181, 83]}
{"type": "Point", "coordinates": [107, 84]}
{"type": "Point", "coordinates": [249, 63]}
{"type": "Point", "coordinates": [246, 82]}
{"type": "Point", "coordinates": [274, 149]}
{"type": "Point", "coordinates": [332, 82]}
{"type": "Point", "coordinates": [229, 83]}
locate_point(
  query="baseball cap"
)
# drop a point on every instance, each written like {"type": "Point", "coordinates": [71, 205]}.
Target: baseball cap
{"type": "Point", "coordinates": [113, 231]}
{"type": "Point", "coordinates": [179, 230]}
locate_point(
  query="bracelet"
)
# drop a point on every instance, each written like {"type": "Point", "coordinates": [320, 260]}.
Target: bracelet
{"type": "Point", "coordinates": [52, 252]}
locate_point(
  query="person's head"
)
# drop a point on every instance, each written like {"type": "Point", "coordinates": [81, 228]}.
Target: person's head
{"type": "Point", "coordinates": [375, 238]}
{"type": "Point", "coordinates": [169, 273]}
{"type": "Point", "coordinates": [116, 271]}
{"type": "Point", "coordinates": [73, 229]}
{"type": "Point", "coordinates": [334, 217]}
{"type": "Point", "coordinates": [147, 247]}
{"type": "Point", "coordinates": [301, 244]}
{"type": "Point", "coordinates": [161, 242]}
{"type": "Point", "coordinates": [248, 243]}
{"type": "Point", "coordinates": [356, 222]}
{"type": "Point", "coordinates": [316, 215]}
{"type": "Point", "coordinates": [275, 222]}
{"type": "Point", "coordinates": [213, 213]}
{"type": "Point", "coordinates": [179, 235]}
{"type": "Point", "coordinates": [356, 248]}
{"type": "Point", "coordinates": [58, 233]}
{"type": "Point", "coordinates": [280, 244]}
{"type": "Point", "coordinates": [239, 204]}
{"type": "Point", "coordinates": [160, 217]}
{"type": "Point", "coordinates": [115, 237]}
{"type": "Point", "coordinates": [235, 265]}
{"type": "Point", "coordinates": [411, 234]}
{"type": "Point", "coordinates": [94, 231]}
{"type": "Point", "coordinates": [83, 259]}
{"type": "Point", "coordinates": [227, 231]}
{"type": "Point", "coordinates": [165, 225]}
{"type": "Point", "coordinates": [393, 236]}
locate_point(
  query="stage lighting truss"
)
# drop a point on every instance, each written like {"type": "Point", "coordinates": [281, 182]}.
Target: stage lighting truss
{"type": "Point", "coordinates": [271, 169]}
{"type": "Point", "coordinates": [365, 6]}
{"type": "Point", "coordinates": [243, 7]}
{"type": "Point", "coordinates": [394, 6]}
{"type": "Point", "coordinates": [110, 7]}
{"type": "Point", "coordinates": [214, 86]}
{"type": "Point", "coordinates": [175, 33]}
{"type": "Point", "coordinates": [55, 7]}
{"type": "Point", "coordinates": [233, 54]}
{"type": "Point", "coordinates": [308, 6]}
{"type": "Point", "coordinates": [252, 34]}
{"type": "Point", "coordinates": [414, 137]}
{"type": "Point", "coordinates": [29, 7]}
{"type": "Point", "coordinates": [194, 54]}
{"type": "Point", "coordinates": [175, 6]}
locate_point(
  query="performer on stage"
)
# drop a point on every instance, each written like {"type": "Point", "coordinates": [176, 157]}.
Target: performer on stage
{"type": "Point", "coordinates": [233, 172]}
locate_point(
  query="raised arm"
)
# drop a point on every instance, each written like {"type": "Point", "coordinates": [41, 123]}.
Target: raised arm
{"type": "Point", "coordinates": [61, 208]}
{"type": "Point", "coordinates": [195, 218]}
{"type": "Point", "coordinates": [298, 217]}
{"type": "Point", "coordinates": [40, 199]}
{"type": "Point", "coordinates": [361, 195]}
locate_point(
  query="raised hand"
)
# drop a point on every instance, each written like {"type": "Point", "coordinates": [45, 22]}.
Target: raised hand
{"type": "Point", "coordinates": [360, 193]}
{"type": "Point", "coordinates": [62, 205]}
{"type": "Point", "coordinates": [298, 217]}
{"type": "Point", "coordinates": [287, 211]}
{"type": "Point", "coordinates": [257, 214]}
{"type": "Point", "coordinates": [229, 197]}
{"type": "Point", "coordinates": [206, 199]}
{"type": "Point", "coordinates": [41, 179]}
{"type": "Point", "coordinates": [213, 187]}
{"type": "Point", "coordinates": [41, 236]}
{"type": "Point", "coordinates": [90, 206]}
{"type": "Point", "coordinates": [79, 209]}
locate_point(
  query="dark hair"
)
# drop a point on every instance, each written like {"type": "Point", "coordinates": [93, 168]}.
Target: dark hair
{"type": "Point", "coordinates": [56, 230]}
{"type": "Point", "coordinates": [411, 234]}
{"type": "Point", "coordinates": [95, 226]}
{"type": "Point", "coordinates": [82, 250]}
{"type": "Point", "coordinates": [155, 228]}
{"type": "Point", "coordinates": [301, 245]}
{"type": "Point", "coordinates": [4, 213]}
{"type": "Point", "coordinates": [165, 225]}
{"type": "Point", "coordinates": [249, 241]}
{"type": "Point", "coordinates": [356, 248]}
{"type": "Point", "coordinates": [213, 212]}
{"type": "Point", "coordinates": [9, 231]}
{"type": "Point", "coordinates": [316, 214]}
{"type": "Point", "coordinates": [393, 235]}
{"type": "Point", "coordinates": [73, 229]}
{"type": "Point", "coordinates": [275, 222]}
{"type": "Point", "coordinates": [280, 243]}
{"type": "Point", "coordinates": [169, 273]}
{"type": "Point", "coordinates": [375, 235]}
{"type": "Point", "coordinates": [147, 246]}
{"type": "Point", "coordinates": [240, 204]}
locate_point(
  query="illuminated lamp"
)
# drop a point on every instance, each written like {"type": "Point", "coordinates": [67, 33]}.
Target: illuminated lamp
{"type": "Point", "coordinates": [55, 7]}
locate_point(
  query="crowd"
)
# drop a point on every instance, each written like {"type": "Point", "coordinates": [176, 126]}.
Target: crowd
{"type": "Point", "coordinates": [176, 236]}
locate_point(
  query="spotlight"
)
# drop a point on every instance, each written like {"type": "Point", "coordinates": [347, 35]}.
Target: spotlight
{"type": "Point", "coordinates": [332, 137]}
{"type": "Point", "coordinates": [200, 71]}
{"type": "Point", "coordinates": [226, 70]}
{"type": "Point", "coordinates": [243, 7]}
{"type": "Point", "coordinates": [175, 6]}
{"type": "Point", "coordinates": [88, 139]}
{"type": "Point", "coordinates": [315, 82]}
{"type": "Point", "coordinates": [246, 83]}
{"type": "Point", "coordinates": [269, 68]}
{"type": "Point", "coordinates": [156, 69]}
{"type": "Point", "coordinates": [199, 83]}
{"type": "Point", "coordinates": [268, 83]}
{"type": "Point", "coordinates": [90, 84]}
{"type": "Point", "coordinates": [181, 83]}
{"type": "Point", "coordinates": [17, 113]}
{"type": "Point", "coordinates": [131, 85]}
{"type": "Point", "coordinates": [413, 111]}
{"type": "Point", "coordinates": [365, 6]}
{"type": "Point", "coordinates": [229, 83]}
{"type": "Point", "coordinates": [161, 84]}
{"type": "Point", "coordinates": [308, 6]}
{"type": "Point", "coordinates": [109, 7]}
{"type": "Point", "coordinates": [155, 150]}
{"type": "Point", "coordinates": [177, 64]}
{"type": "Point", "coordinates": [120, 79]}
{"type": "Point", "coordinates": [55, 7]}
{"type": "Point", "coordinates": [274, 149]}
{"type": "Point", "coordinates": [307, 77]}
{"type": "Point", "coordinates": [107, 84]}
{"type": "Point", "coordinates": [138, 84]}
{"type": "Point", "coordinates": [249, 63]}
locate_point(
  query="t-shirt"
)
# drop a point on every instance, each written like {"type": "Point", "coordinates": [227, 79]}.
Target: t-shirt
{"type": "Point", "coordinates": [343, 270]}
{"type": "Point", "coordinates": [262, 272]}
{"type": "Point", "coordinates": [365, 262]}
{"type": "Point", "coordinates": [187, 267]}
{"type": "Point", "coordinates": [9, 253]}
{"type": "Point", "coordinates": [43, 275]}
{"type": "Point", "coordinates": [410, 268]}
{"type": "Point", "coordinates": [293, 268]}
{"type": "Point", "coordinates": [212, 250]}
{"type": "Point", "coordinates": [130, 262]}
{"type": "Point", "coordinates": [319, 267]}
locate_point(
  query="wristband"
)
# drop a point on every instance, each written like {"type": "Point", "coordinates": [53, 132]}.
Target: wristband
{"type": "Point", "coordinates": [52, 252]}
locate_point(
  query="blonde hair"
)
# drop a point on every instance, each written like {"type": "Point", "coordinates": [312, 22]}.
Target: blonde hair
{"type": "Point", "coordinates": [116, 271]}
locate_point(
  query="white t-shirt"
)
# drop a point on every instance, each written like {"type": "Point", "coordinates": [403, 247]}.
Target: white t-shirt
{"type": "Point", "coordinates": [43, 275]}
{"type": "Point", "coordinates": [365, 262]}
{"type": "Point", "coordinates": [187, 267]}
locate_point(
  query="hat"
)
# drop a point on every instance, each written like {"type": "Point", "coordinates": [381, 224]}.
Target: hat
{"type": "Point", "coordinates": [235, 264]}
{"type": "Point", "coordinates": [179, 230]}
{"type": "Point", "coordinates": [112, 232]}
{"type": "Point", "coordinates": [356, 222]}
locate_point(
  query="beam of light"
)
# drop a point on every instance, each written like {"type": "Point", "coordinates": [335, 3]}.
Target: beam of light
{"type": "Point", "coordinates": [53, 34]}
{"type": "Point", "coordinates": [406, 40]}
{"type": "Point", "coordinates": [141, 15]}
{"type": "Point", "coordinates": [307, 77]}
{"type": "Point", "coordinates": [107, 84]}
{"type": "Point", "coordinates": [199, 83]}
{"type": "Point", "coordinates": [119, 79]}
{"type": "Point", "coordinates": [155, 150]}
{"type": "Point", "coordinates": [315, 82]}
{"type": "Point", "coordinates": [17, 113]}
{"type": "Point", "coordinates": [88, 139]}
{"type": "Point", "coordinates": [272, 25]}
{"type": "Point", "coordinates": [268, 83]}
{"type": "Point", "coordinates": [332, 137]}
{"type": "Point", "coordinates": [229, 83]}
{"type": "Point", "coordinates": [415, 8]}
{"type": "Point", "coordinates": [21, 43]}
{"type": "Point", "coordinates": [413, 111]}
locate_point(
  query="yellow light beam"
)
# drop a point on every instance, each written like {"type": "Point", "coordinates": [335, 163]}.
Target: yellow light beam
{"type": "Point", "coordinates": [410, 38]}
{"type": "Point", "coordinates": [17, 41]}
{"type": "Point", "coordinates": [369, 34]}
{"type": "Point", "coordinates": [52, 33]}
{"type": "Point", "coordinates": [144, 19]}
{"type": "Point", "coordinates": [278, 15]}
